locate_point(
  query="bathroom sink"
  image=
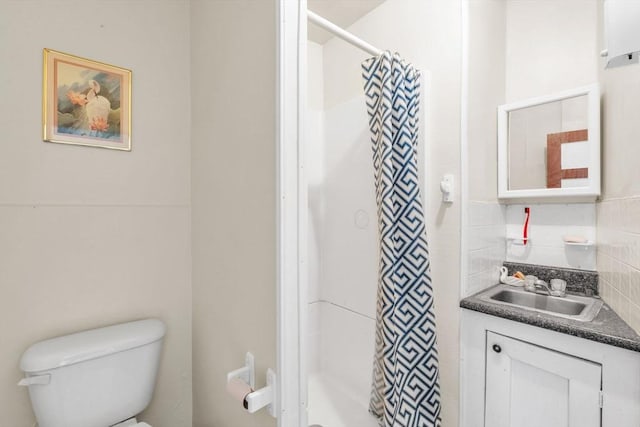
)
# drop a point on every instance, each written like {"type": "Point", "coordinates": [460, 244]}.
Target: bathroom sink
{"type": "Point", "coordinates": [573, 307]}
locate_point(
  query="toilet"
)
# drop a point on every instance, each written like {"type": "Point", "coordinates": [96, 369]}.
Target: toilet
{"type": "Point", "coordinates": [96, 378]}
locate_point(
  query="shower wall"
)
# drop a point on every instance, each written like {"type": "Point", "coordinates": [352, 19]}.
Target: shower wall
{"type": "Point", "coordinates": [341, 193]}
{"type": "Point", "coordinates": [342, 247]}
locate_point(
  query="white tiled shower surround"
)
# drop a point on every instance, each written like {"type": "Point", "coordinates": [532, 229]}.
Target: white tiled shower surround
{"type": "Point", "coordinates": [343, 203]}
{"type": "Point", "coordinates": [341, 254]}
{"type": "Point", "coordinates": [341, 247]}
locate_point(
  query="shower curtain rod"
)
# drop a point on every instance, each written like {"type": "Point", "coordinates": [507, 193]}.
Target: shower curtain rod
{"type": "Point", "coordinates": [344, 35]}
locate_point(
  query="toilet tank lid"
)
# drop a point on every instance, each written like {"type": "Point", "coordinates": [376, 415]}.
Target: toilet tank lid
{"type": "Point", "coordinates": [91, 344]}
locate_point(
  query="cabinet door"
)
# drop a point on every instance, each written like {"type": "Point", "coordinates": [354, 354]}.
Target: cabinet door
{"type": "Point", "coordinates": [532, 386]}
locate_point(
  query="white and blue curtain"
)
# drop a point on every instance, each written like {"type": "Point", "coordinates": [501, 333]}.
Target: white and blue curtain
{"type": "Point", "coordinates": [405, 389]}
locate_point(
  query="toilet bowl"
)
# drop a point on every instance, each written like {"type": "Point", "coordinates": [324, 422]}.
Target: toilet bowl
{"type": "Point", "coordinates": [94, 378]}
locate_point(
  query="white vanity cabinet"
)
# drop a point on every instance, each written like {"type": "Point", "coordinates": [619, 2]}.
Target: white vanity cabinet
{"type": "Point", "coordinates": [532, 386]}
{"type": "Point", "coordinates": [517, 375]}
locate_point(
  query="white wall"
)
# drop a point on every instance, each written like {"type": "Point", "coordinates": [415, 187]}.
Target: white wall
{"type": "Point", "coordinates": [233, 72]}
{"type": "Point", "coordinates": [550, 46]}
{"type": "Point", "coordinates": [619, 207]}
{"type": "Point", "coordinates": [88, 236]}
{"type": "Point", "coordinates": [485, 227]}
{"type": "Point", "coordinates": [517, 50]}
{"type": "Point", "coordinates": [426, 33]}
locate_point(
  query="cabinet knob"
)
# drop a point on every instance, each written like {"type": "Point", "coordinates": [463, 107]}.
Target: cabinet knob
{"type": "Point", "coordinates": [497, 348]}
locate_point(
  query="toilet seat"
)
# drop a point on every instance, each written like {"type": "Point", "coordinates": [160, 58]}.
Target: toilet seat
{"type": "Point", "coordinates": [132, 422]}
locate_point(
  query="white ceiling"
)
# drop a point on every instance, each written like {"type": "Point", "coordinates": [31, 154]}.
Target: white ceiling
{"type": "Point", "coordinates": [341, 12]}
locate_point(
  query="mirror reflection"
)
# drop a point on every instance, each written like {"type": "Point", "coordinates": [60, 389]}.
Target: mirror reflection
{"type": "Point", "coordinates": [548, 145]}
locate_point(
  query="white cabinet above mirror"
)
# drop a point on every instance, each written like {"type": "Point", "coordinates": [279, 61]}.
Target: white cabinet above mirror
{"type": "Point", "coordinates": [549, 147]}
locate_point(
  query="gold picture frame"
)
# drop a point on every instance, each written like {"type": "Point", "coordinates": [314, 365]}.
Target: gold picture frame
{"type": "Point", "coordinates": [85, 102]}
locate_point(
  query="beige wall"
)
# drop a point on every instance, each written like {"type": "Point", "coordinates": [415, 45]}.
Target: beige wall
{"type": "Point", "coordinates": [233, 223]}
{"type": "Point", "coordinates": [91, 237]}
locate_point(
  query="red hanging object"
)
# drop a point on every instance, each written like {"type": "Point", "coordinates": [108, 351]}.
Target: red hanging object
{"type": "Point", "coordinates": [525, 231]}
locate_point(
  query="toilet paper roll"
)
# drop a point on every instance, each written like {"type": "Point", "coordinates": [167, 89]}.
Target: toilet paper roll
{"type": "Point", "coordinates": [238, 389]}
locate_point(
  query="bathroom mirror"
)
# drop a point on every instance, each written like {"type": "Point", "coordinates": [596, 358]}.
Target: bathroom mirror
{"type": "Point", "coordinates": [549, 147]}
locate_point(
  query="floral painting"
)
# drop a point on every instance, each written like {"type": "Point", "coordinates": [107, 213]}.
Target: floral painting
{"type": "Point", "coordinates": [86, 102]}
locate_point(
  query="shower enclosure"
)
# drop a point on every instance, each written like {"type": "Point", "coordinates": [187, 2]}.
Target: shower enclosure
{"type": "Point", "coordinates": [342, 235]}
{"type": "Point", "coordinates": [341, 239]}
{"type": "Point", "coordinates": [327, 299]}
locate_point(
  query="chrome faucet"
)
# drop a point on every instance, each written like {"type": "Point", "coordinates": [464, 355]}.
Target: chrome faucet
{"type": "Point", "coordinates": [539, 285]}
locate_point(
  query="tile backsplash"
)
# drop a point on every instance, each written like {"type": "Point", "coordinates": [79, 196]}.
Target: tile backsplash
{"type": "Point", "coordinates": [548, 223]}
{"type": "Point", "coordinates": [619, 256]}
{"type": "Point", "coordinates": [492, 224]}
{"type": "Point", "coordinates": [615, 253]}
{"type": "Point", "coordinates": [486, 245]}
{"type": "Point", "coordinates": [578, 281]}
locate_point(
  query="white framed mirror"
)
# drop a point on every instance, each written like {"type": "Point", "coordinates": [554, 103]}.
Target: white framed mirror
{"type": "Point", "coordinates": [549, 146]}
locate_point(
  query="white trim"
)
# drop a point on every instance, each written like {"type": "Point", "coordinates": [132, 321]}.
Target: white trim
{"type": "Point", "coordinates": [464, 189]}
{"type": "Point", "coordinates": [589, 192]}
{"type": "Point", "coordinates": [303, 214]}
{"type": "Point", "coordinates": [289, 368]}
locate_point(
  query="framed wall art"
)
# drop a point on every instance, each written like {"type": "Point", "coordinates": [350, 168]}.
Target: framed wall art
{"type": "Point", "coordinates": [85, 102]}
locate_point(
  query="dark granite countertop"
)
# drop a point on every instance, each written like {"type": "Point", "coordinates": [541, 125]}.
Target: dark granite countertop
{"type": "Point", "coordinates": [607, 327]}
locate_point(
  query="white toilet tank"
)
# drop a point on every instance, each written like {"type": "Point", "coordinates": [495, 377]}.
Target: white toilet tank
{"type": "Point", "coordinates": [94, 378]}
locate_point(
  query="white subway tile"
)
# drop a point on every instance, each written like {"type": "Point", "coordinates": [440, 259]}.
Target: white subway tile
{"type": "Point", "coordinates": [604, 290]}
{"type": "Point", "coordinates": [475, 261]}
{"type": "Point", "coordinates": [623, 286]}
{"type": "Point", "coordinates": [482, 280]}
{"type": "Point", "coordinates": [634, 317]}
{"type": "Point", "coordinates": [634, 286]}
{"type": "Point", "coordinates": [622, 308]}
{"type": "Point", "coordinates": [604, 266]}
{"type": "Point", "coordinates": [634, 215]}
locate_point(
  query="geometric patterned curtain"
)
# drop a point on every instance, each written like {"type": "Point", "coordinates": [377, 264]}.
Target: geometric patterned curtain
{"type": "Point", "coordinates": [405, 387]}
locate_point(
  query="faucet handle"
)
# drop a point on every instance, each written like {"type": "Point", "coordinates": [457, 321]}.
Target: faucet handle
{"type": "Point", "coordinates": [530, 283]}
{"type": "Point", "coordinates": [558, 287]}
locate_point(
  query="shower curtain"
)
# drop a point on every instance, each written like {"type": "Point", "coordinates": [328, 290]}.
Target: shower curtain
{"type": "Point", "coordinates": [405, 389]}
